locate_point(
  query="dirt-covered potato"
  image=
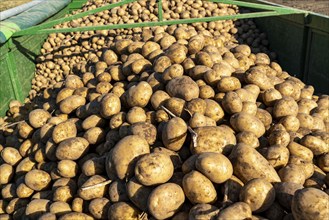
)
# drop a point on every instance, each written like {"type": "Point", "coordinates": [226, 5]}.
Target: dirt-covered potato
{"type": "Point", "coordinates": [153, 169]}
{"type": "Point", "coordinates": [238, 210]}
{"type": "Point", "coordinates": [284, 193]}
{"type": "Point", "coordinates": [72, 148]}
{"type": "Point", "coordinates": [135, 115]}
{"type": "Point", "coordinates": [93, 192]}
{"type": "Point", "coordinates": [75, 215]}
{"type": "Point", "coordinates": [285, 107]}
{"type": "Point", "coordinates": [110, 105]}
{"type": "Point", "coordinates": [144, 130]}
{"type": "Point", "coordinates": [259, 194]}
{"type": "Point", "coordinates": [63, 131]}
{"type": "Point", "coordinates": [138, 193]}
{"type": "Point", "coordinates": [241, 122]}
{"type": "Point", "coordinates": [215, 166]}
{"type": "Point", "coordinates": [203, 211]}
{"type": "Point", "coordinates": [247, 138]}
{"type": "Point", "coordinates": [310, 203]}
{"type": "Point", "coordinates": [165, 200]}
{"type": "Point", "coordinates": [7, 172]}
{"type": "Point", "coordinates": [218, 139]}
{"type": "Point", "coordinates": [98, 208]}
{"type": "Point", "coordinates": [139, 95]}
{"type": "Point", "coordinates": [174, 134]}
{"type": "Point", "coordinates": [37, 207]}
{"type": "Point", "coordinates": [11, 156]}
{"type": "Point", "coordinates": [158, 99]}
{"type": "Point", "coordinates": [198, 188]}
{"type": "Point", "coordinates": [67, 168]}
{"type": "Point", "coordinates": [38, 117]}
{"type": "Point", "coordinates": [315, 144]}
{"type": "Point", "coordinates": [71, 103]}
{"type": "Point", "coordinates": [183, 87]}
{"type": "Point", "coordinates": [37, 180]}
{"type": "Point", "coordinates": [257, 165]}
{"type": "Point", "coordinates": [123, 210]}
{"type": "Point", "coordinates": [125, 155]}
{"type": "Point", "coordinates": [232, 103]}
{"type": "Point", "coordinates": [60, 208]}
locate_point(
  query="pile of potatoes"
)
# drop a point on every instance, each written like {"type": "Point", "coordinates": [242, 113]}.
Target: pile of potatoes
{"type": "Point", "coordinates": [178, 124]}
{"type": "Point", "coordinates": [66, 53]}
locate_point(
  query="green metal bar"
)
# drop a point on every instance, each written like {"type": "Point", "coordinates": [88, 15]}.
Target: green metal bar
{"type": "Point", "coordinates": [160, 11]}
{"type": "Point", "coordinates": [257, 6]}
{"type": "Point", "coordinates": [10, 60]}
{"type": "Point", "coordinates": [160, 23]}
{"type": "Point", "coordinates": [49, 24]}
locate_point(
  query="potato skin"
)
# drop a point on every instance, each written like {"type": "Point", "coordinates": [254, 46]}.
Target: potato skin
{"type": "Point", "coordinates": [138, 193]}
{"type": "Point", "coordinates": [183, 87]}
{"type": "Point", "coordinates": [139, 95]}
{"type": "Point", "coordinates": [37, 179]}
{"type": "Point", "coordinates": [259, 194]}
{"type": "Point", "coordinates": [246, 122]}
{"type": "Point", "coordinates": [154, 168]}
{"type": "Point", "coordinates": [165, 200]}
{"type": "Point", "coordinates": [71, 103]}
{"type": "Point", "coordinates": [37, 207]}
{"type": "Point", "coordinates": [203, 211]}
{"type": "Point", "coordinates": [174, 134]}
{"type": "Point", "coordinates": [249, 164]}
{"type": "Point", "coordinates": [72, 148]}
{"type": "Point", "coordinates": [64, 131]}
{"type": "Point", "coordinates": [38, 117]}
{"type": "Point", "coordinates": [238, 210]}
{"type": "Point", "coordinates": [285, 107]}
{"type": "Point", "coordinates": [215, 166]}
{"type": "Point", "coordinates": [310, 203]}
{"type": "Point", "coordinates": [123, 210]}
{"type": "Point", "coordinates": [125, 154]}
{"type": "Point", "coordinates": [284, 193]}
{"type": "Point", "coordinates": [315, 144]}
{"type": "Point", "coordinates": [198, 188]}
{"type": "Point", "coordinates": [213, 139]}
{"type": "Point", "coordinates": [110, 105]}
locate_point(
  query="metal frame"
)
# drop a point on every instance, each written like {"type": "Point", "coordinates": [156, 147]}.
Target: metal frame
{"type": "Point", "coordinates": [46, 28]}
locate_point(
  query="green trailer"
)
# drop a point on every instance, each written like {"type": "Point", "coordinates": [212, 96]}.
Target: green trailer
{"type": "Point", "coordinates": [300, 38]}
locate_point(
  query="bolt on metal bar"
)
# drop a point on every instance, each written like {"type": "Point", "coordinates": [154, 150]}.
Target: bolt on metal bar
{"type": "Point", "coordinates": [159, 23]}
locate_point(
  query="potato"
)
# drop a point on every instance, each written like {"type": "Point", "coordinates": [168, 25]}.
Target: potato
{"type": "Point", "coordinates": [135, 47]}
{"type": "Point", "coordinates": [323, 162]}
{"type": "Point", "coordinates": [135, 115]}
{"type": "Point", "coordinates": [123, 210]}
{"type": "Point", "coordinates": [213, 139]}
{"type": "Point", "coordinates": [118, 192]}
{"type": "Point", "coordinates": [47, 216]}
{"type": "Point", "coordinates": [176, 106]}
{"type": "Point", "coordinates": [241, 122]}
{"type": "Point", "coordinates": [300, 151]}
{"type": "Point", "coordinates": [126, 153]}
{"type": "Point", "coordinates": [110, 57]}
{"type": "Point", "coordinates": [183, 87]}
{"type": "Point", "coordinates": [258, 193]}
{"type": "Point", "coordinates": [15, 204]}
{"type": "Point", "coordinates": [315, 144]}
{"type": "Point", "coordinates": [199, 120]}
{"type": "Point", "coordinates": [198, 72]}
{"type": "Point", "coordinates": [7, 172]}
{"type": "Point", "coordinates": [72, 148]}
{"type": "Point", "coordinates": [139, 95]}
{"type": "Point", "coordinates": [38, 117]}
{"type": "Point", "coordinates": [161, 64]}
{"type": "Point", "coordinates": [276, 155]}
{"type": "Point", "coordinates": [284, 193]}
{"type": "Point", "coordinates": [36, 208]}
{"type": "Point", "coordinates": [203, 211]}
{"type": "Point", "coordinates": [291, 123]}
{"type": "Point", "coordinates": [149, 47]}
{"type": "Point", "coordinates": [60, 208]}
{"type": "Point", "coordinates": [214, 110]}
{"type": "Point", "coordinates": [154, 168]}
{"type": "Point", "coordinates": [23, 191]}
{"type": "Point", "coordinates": [257, 75]}
{"type": "Point", "coordinates": [37, 180]}
{"type": "Point", "coordinates": [25, 130]}
{"type": "Point", "coordinates": [165, 200]}
{"type": "Point", "coordinates": [206, 92]}
{"type": "Point", "coordinates": [63, 131]}
{"type": "Point", "coordinates": [310, 203]}
{"type": "Point", "coordinates": [98, 208]}
{"type": "Point", "coordinates": [232, 103]}
{"type": "Point", "coordinates": [285, 107]}
{"type": "Point", "coordinates": [71, 103]}
{"type": "Point", "coordinates": [94, 135]}
{"type": "Point", "coordinates": [174, 134]}
{"type": "Point", "coordinates": [228, 83]}
{"type": "Point", "coordinates": [93, 121]}
{"type": "Point", "coordinates": [158, 99]}
{"type": "Point", "coordinates": [76, 215]}
{"type": "Point", "coordinates": [215, 166]}
{"type": "Point", "coordinates": [110, 105]}
{"type": "Point", "coordinates": [95, 192]}
{"type": "Point", "coordinates": [173, 71]}
{"type": "Point", "coordinates": [258, 166]}
{"type": "Point", "coordinates": [8, 191]}
{"type": "Point", "coordinates": [73, 82]}
{"type": "Point", "coordinates": [204, 58]}
{"type": "Point", "coordinates": [239, 210]}
{"type": "Point", "coordinates": [198, 188]}
{"type": "Point", "coordinates": [176, 53]}
{"type": "Point", "coordinates": [196, 44]}
{"type": "Point", "coordinates": [196, 106]}
{"type": "Point", "coordinates": [144, 130]}
{"type": "Point", "coordinates": [292, 173]}
{"type": "Point", "coordinates": [248, 138]}
{"type": "Point", "coordinates": [67, 168]}
{"type": "Point", "coordinates": [138, 193]}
